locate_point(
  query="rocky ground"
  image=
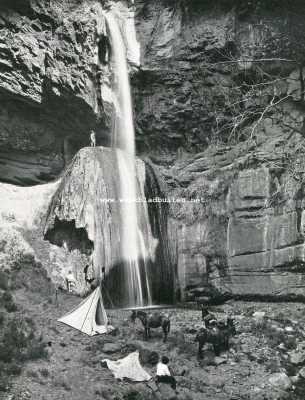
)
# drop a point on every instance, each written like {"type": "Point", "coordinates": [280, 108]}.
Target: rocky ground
{"type": "Point", "coordinates": [266, 358]}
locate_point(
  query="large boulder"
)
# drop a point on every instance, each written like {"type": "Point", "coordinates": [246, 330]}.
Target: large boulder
{"type": "Point", "coordinates": [280, 381]}
{"type": "Point", "coordinates": [86, 212]}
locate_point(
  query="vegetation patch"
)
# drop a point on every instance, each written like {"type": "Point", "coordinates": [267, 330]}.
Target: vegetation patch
{"type": "Point", "coordinates": [19, 341]}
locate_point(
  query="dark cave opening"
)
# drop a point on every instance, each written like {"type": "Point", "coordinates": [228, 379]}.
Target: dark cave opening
{"type": "Point", "coordinates": [65, 232]}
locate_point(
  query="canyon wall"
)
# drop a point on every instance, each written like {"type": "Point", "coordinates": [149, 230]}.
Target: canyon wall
{"type": "Point", "coordinates": [219, 112]}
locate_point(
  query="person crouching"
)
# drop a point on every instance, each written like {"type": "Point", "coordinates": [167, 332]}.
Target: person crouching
{"type": "Point", "coordinates": [163, 374]}
{"type": "Point", "coordinates": [71, 282]}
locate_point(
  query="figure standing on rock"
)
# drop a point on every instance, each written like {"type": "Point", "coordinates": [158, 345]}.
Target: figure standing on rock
{"type": "Point", "coordinates": [89, 272]}
{"type": "Point", "coordinates": [92, 139]}
{"type": "Point", "coordinates": [89, 268]}
{"type": "Point", "coordinates": [70, 281]}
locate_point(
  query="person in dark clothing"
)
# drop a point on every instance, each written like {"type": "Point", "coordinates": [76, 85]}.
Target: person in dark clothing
{"type": "Point", "coordinates": [92, 139]}
{"type": "Point", "coordinates": [87, 279]}
{"type": "Point", "coordinates": [163, 373]}
{"type": "Point", "coordinates": [206, 316]}
{"type": "Point", "coordinates": [71, 282]}
{"type": "Point", "coordinates": [104, 49]}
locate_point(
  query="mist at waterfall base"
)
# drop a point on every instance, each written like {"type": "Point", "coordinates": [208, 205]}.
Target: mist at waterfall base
{"type": "Point", "coordinates": [132, 272]}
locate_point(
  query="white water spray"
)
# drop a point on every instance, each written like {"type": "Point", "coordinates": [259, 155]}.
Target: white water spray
{"type": "Point", "coordinates": [132, 244]}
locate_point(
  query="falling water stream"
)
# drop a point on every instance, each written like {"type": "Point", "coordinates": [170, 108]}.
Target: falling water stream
{"type": "Point", "coordinates": [133, 249]}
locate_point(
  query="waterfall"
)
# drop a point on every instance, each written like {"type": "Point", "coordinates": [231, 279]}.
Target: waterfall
{"type": "Point", "coordinates": [133, 249]}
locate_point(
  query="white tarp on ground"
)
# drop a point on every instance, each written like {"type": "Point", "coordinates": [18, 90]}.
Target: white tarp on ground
{"type": "Point", "coordinates": [129, 368]}
{"type": "Point", "coordinates": [89, 316]}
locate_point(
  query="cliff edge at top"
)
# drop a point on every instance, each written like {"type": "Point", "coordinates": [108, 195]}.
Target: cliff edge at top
{"type": "Point", "coordinates": [48, 88]}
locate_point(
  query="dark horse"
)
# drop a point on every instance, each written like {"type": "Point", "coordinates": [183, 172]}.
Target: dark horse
{"type": "Point", "coordinates": [216, 334]}
{"type": "Point", "coordinates": [155, 320]}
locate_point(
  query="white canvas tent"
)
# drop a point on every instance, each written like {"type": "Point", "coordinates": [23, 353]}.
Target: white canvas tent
{"type": "Point", "coordinates": [89, 316]}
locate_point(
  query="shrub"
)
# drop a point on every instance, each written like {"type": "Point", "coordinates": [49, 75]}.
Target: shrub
{"type": "Point", "coordinates": [13, 369]}
{"type": "Point", "coordinates": [37, 350]}
{"type": "Point", "coordinates": [7, 297]}
{"type": "Point", "coordinates": [3, 281]}
{"type": "Point", "coordinates": [3, 384]}
{"type": "Point", "coordinates": [19, 342]}
{"type": "Point", "coordinates": [5, 353]}
{"type": "Point", "coordinates": [132, 394]}
{"type": "Point", "coordinates": [274, 333]}
{"type": "Point", "coordinates": [44, 372]}
{"type": "Point", "coordinates": [2, 365]}
{"type": "Point", "coordinates": [273, 366]}
{"type": "Point", "coordinates": [11, 307]}
{"type": "Point", "coordinates": [7, 301]}
{"type": "Point", "coordinates": [62, 381]}
{"type": "Point", "coordinates": [32, 374]}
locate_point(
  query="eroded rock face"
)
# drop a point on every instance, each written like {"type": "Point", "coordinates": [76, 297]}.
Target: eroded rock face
{"type": "Point", "coordinates": [48, 86]}
{"type": "Point", "coordinates": [22, 216]}
{"type": "Point", "coordinates": [245, 236]}
{"type": "Point", "coordinates": [85, 216]}
{"type": "Point", "coordinates": [233, 138]}
{"type": "Point", "coordinates": [219, 108]}
{"type": "Point", "coordinates": [265, 243]}
{"type": "Point", "coordinates": [200, 59]}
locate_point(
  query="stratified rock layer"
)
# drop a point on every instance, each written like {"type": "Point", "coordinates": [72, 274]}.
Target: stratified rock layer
{"type": "Point", "coordinates": [265, 244]}
{"type": "Point", "coordinates": [245, 234]}
{"type": "Point", "coordinates": [48, 86]}
{"type": "Point", "coordinates": [221, 87]}
{"type": "Point", "coordinates": [208, 69]}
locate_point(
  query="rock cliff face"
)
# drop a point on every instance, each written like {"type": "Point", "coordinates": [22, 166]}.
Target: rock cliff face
{"type": "Point", "coordinates": [200, 66]}
{"type": "Point", "coordinates": [47, 86]}
{"type": "Point", "coordinates": [85, 217]}
{"type": "Point", "coordinates": [219, 111]}
{"type": "Point", "coordinates": [222, 83]}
